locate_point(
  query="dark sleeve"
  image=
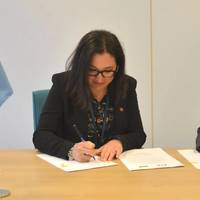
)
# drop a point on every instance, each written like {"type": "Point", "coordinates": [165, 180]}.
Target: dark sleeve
{"type": "Point", "coordinates": [48, 137]}
{"type": "Point", "coordinates": [198, 140]}
{"type": "Point", "coordinates": [135, 136]}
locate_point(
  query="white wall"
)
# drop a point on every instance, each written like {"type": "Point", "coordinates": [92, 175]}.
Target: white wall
{"type": "Point", "coordinates": [36, 38]}
{"type": "Point", "coordinates": [176, 70]}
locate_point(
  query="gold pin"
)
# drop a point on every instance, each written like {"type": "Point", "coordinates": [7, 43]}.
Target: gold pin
{"type": "Point", "coordinates": [121, 109]}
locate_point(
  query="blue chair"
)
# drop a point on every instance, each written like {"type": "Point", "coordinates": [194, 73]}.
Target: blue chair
{"type": "Point", "coordinates": [39, 98]}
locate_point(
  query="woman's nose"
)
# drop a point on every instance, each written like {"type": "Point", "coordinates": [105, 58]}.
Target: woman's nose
{"type": "Point", "coordinates": [99, 78]}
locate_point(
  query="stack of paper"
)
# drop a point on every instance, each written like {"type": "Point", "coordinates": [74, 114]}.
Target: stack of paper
{"type": "Point", "coordinates": [192, 156]}
{"type": "Point", "coordinates": [70, 166]}
{"type": "Point", "coordinates": [151, 158]}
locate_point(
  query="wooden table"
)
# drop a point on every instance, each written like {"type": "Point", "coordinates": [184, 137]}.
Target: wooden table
{"type": "Point", "coordinates": [28, 177]}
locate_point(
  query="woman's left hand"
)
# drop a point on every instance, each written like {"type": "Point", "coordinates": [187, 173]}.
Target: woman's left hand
{"type": "Point", "coordinates": [110, 150]}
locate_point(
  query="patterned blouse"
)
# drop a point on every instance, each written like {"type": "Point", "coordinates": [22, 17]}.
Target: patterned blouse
{"type": "Point", "coordinates": [99, 112]}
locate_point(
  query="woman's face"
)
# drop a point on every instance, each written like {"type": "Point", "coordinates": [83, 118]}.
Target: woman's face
{"type": "Point", "coordinates": [105, 63]}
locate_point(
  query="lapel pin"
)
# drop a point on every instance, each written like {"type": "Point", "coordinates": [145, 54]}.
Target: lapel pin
{"type": "Point", "coordinates": [121, 109]}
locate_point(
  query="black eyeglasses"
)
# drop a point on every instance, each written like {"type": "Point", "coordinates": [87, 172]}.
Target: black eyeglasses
{"type": "Point", "coordinates": [105, 73]}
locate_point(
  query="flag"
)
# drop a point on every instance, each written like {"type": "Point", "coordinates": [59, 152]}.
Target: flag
{"type": "Point", "coordinates": [5, 88]}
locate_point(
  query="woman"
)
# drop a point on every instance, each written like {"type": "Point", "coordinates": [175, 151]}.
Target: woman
{"type": "Point", "coordinates": [92, 108]}
{"type": "Point", "coordinates": [198, 140]}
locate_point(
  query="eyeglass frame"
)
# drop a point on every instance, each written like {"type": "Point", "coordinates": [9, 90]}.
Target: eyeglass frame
{"type": "Point", "coordinates": [102, 71]}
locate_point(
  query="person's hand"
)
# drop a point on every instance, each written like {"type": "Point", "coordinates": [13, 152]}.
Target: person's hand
{"type": "Point", "coordinates": [83, 151]}
{"type": "Point", "coordinates": [110, 150]}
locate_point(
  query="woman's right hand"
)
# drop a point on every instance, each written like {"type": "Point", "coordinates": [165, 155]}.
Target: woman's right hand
{"type": "Point", "coordinates": [83, 151]}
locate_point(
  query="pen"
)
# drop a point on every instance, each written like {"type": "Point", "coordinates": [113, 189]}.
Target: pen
{"type": "Point", "coordinates": [79, 134]}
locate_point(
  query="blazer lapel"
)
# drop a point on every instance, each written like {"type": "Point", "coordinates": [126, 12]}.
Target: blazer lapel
{"type": "Point", "coordinates": [80, 118]}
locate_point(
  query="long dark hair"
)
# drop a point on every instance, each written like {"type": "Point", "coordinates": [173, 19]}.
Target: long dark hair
{"type": "Point", "coordinates": [94, 42]}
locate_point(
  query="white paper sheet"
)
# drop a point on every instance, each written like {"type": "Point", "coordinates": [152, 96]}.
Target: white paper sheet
{"type": "Point", "coordinates": [192, 156]}
{"type": "Point", "coordinates": [149, 158]}
{"type": "Point", "coordinates": [70, 166]}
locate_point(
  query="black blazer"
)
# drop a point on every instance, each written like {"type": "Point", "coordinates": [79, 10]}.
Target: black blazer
{"type": "Point", "coordinates": [55, 134]}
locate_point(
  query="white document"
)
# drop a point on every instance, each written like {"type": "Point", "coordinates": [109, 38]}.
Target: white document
{"type": "Point", "coordinates": [192, 156]}
{"type": "Point", "coordinates": [149, 158]}
{"type": "Point", "coordinates": [70, 166]}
